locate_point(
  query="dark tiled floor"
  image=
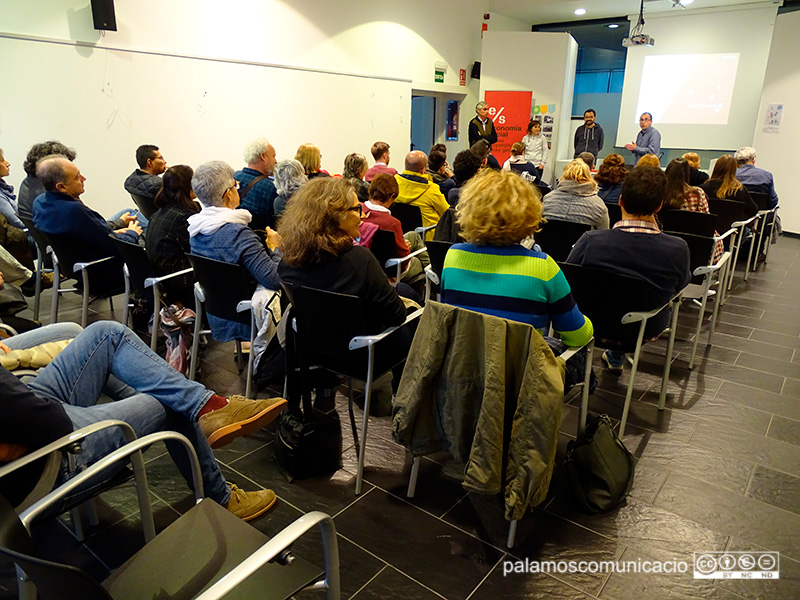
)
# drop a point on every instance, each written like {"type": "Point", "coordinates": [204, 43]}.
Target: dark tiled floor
{"type": "Point", "coordinates": [719, 469]}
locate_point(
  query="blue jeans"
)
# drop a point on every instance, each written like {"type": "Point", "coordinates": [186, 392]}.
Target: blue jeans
{"type": "Point", "coordinates": [143, 222]}
{"type": "Point", "coordinates": [148, 394]}
{"type": "Point", "coordinates": [615, 357]}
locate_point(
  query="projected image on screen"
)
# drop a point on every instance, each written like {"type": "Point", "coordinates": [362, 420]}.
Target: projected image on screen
{"type": "Point", "coordinates": [690, 89]}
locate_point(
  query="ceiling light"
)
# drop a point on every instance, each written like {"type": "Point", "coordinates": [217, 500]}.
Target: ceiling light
{"type": "Point", "coordinates": [613, 25]}
{"type": "Point", "coordinates": [580, 11]}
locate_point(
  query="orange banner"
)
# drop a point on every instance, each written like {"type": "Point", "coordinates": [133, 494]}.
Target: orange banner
{"type": "Point", "coordinates": [510, 112]}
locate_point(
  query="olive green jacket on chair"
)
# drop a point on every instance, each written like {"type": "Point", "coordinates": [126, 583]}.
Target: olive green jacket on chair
{"type": "Point", "coordinates": [464, 370]}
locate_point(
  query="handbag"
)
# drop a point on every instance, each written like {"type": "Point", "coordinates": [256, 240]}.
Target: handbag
{"type": "Point", "coordinates": [308, 442]}
{"type": "Point", "coordinates": [600, 467]}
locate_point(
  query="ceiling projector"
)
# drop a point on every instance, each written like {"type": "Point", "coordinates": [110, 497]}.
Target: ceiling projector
{"type": "Point", "coordinates": [638, 40]}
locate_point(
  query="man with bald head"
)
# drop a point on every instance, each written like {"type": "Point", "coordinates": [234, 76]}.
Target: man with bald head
{"type": "Point", "coordinates": [59, 213]}
{"type": "Point", "coordinates": [417, 189]}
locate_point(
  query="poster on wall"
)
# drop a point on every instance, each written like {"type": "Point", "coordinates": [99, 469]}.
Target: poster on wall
{"type": "Point", "coordinates": [772, 122]}
{"type": "Point", "coordinates": [546, 115]}
{"type": "Point", "coordinates": [510, 113]}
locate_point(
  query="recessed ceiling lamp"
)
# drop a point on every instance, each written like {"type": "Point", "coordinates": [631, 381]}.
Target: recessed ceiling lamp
{"type": "Point", "coordinates": [613, 25]}
{"type": "Point", "coordinates": [579, 12]}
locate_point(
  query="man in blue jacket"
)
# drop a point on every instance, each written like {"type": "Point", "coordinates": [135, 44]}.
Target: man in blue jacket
{"type": "Point", "coordinates": [60, 214]}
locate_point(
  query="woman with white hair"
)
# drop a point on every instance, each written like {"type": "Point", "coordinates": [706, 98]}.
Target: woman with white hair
{"type": "Point", "coordinates": [289, 177]}
{"type": "Point", "coordinates": [220, 232]}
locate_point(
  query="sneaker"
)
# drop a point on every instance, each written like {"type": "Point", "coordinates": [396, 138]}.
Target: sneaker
{"type": "Point", "coordinates": [249, 505]}
{"type": "Point", "coordinates": [241, 416]}
{"type": "Point", "coordinates": [611, 367]}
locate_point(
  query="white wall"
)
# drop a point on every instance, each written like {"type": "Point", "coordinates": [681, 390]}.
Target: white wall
{"type": "Point", "coordinates": [541, 62]}
{"type": "Point", "coordinates": [498, 22]}
{"type": "Point", "coordinates": [777, 151]}
{"type": "Point", "coordinates": [200, 78]}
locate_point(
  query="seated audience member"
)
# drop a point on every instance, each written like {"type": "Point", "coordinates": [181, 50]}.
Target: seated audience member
{"type": "Point", "coordinates": [145, 180]}
{"type": "Point", "coordinates": [221, 232]}
{"type": "Point", "coordinates": [31, 187]}
{"type": "Point", "coordinates": [648, 160]}
{"type": "Point", "coordinates": [682, 196]}
{"type": "Point", "coordinates": [256, 190]}
{"type": "Point", "coordinates": [465, 166]}
{"type": "Point", "coordinates": [609, 177]}
{"type": "Point", "coordinates": [147, 394]}
{"type": "Point", "coordinates": [437, 170]}
{"type": "Point", "coordinates": [318, 230]}
{"type": "Point", "coordinates": [380, 152]}
{"type": "Point", "coordinates": [753, 178]}
{"type": "Point", "coordinates": [484, 151]}
{"type": "Point", "coordinates": [167, 241]}
{"type": "Point", "coordinates": [8, 199]}
{"type": "Point", "coordinates": [636, 247]}
{"type": "Point", "coordinates": [536, 146]}
{"type": "Point", "coordinates": [494, 274]}
{"type": "Point", "coordinates": [310, 157]}
{"type": "Point", "coordinates": [443, 149]}
{"type": "Point", "coordinates": [575, 199]}
{"type": "Point", "coordinates": [19, 324]}
{"type": "Point", "coordinates": [520, 165]}
{"type": "Point", "coordinates": [60, 212]}
{"type": "Point", "coordinates": [417, 189]}
{"type": "Point", "coordinates": [588, 158]}
{"type": "Point", "coordinates": [289, 177]}
{"type": "Point", "coordinates": [696, 176]}
{"type": "Point", "coordinates": [724, 184]}
{"type": "Point", "coordinates": [355, 167]}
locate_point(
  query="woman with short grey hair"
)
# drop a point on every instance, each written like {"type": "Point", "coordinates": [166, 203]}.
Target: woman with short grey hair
{"type": "Point", "coordinates": [289, 177]}
{"type": "Point", "coordinates": [211, 183]}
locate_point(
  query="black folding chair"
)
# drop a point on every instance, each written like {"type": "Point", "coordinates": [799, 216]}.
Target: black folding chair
{"type": "Point", "coordinates": [410, 218]}
{"type": "Point", "coordinates": [42, 250]}
{"type": "Point", "coordinates": [433, 272]}
{"type": "Point", "coordinates": [145, 205]}
{"type": "Point", "coordinates": [223, 290]}
{"type": "Point", "coordinates": [332, 334]}
{"type": "Point", "coordinates": [730, 215]}
{"type": "Point", "coordinates": [385, 250]}
{"type": "Point", "coordinates": [557, 238]}
{"type": "Point", "coordinates": [614, 214]}
{"type": "Point", "coordinates": [139, 276]}
{"type": "Point", "coordinates": [768, 217]}
{"type": "Point", "coordinates": [688, 221]}
{"type": "Point", "coordinates": [620, 309]}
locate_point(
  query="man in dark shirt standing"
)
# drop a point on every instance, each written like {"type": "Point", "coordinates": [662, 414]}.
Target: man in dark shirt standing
{"type": "Point", "coordinates": [589, 136]}
{"type": "Point", "coordinates": [636, 247]}
{"type": "Point", "coordinates": [482, 127]}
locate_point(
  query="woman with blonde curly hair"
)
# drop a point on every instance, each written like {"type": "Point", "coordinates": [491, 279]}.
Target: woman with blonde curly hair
{"type": "Point", "coordinates": [310, 157]}
{"type": "Point", "coordinates": [494, 273]}
{"type": "Point", "coordinates": [575, 199]}
{"type": "Point", "coordinates": [610, 176]}
{"type": "Point", "coordinates": [649, 160]}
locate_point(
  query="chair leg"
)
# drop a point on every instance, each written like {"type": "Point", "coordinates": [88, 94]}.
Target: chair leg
{"type": "Point", "coordinates": [761, 227]}
{"type": "Point", "coordinates": [365, 421]}
{"type": "Point", "coordinates": [412, 480]}
{"type": "Point", "coordinates": [350, 401]}
{"type": "Point", "coordinates": [85, 299]}
{"type": "Point", "coordinates": [512, 533]}
{"type": "Point", "coordinates": [37, 299]}
{"type": "Point", "coordinates": [27, 591]}
{"type": "Point", "coordinates": [196, 339]}
{"type": "Point", "coordinates": [699, 326]}
{"type": "Point", "coordinates": [587, 378]}
{"type": "Point", "coordinates": [156, 321]}
{"type": "Point", "coordinates": [126, 306]}
{"type": "Point", "coordinates": [735, 243]}
{"type": "Point", "coordinates": [662, 397]}
{"type": "Point", "coordinates": [629, 394]}
{"type": "Point", "coordinates": [250, 357]}
{"type": "Point", "coordinates": [56, 291]}
{"type": "Point", "coordinates": [749, 257]}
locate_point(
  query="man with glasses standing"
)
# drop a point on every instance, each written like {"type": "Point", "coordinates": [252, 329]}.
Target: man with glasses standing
{"type": "Point", "coordinates": [648, 140]}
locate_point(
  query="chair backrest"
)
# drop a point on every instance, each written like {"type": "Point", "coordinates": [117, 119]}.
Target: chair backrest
{"type": "Point", "coordinates": [557, 238]}
{"type": "Point", "coordinates": [410, 216]}
{"type": "Point", "coordinates": [53, 581]}
{"type": "Point", "coordinates": [605, 297]}
{"type": "Point", "coordinates": [383, 247]}
{"type": "Point", "coordinates": [326, 321]}
{"type": "Point", "coordinates": [437, 251]}
{"type": "Point", "coordinates": [38, 236]}
{"type": "Point", "coordinates": [614, 214]}
{"type": "Point", "coordinates": [145, 205]}
{"type": "Point", "coordinates": [224, 285]}
{"type": "Point", "coordinates": [701, 250]}
{"type": "Point", "coordinates": [139, 267]}
{"type": "Point", "coordinates": [761, 200]}
{"type": "Point", "coordinates": [727, 211]}
{"type": "Point", "coordinates": [687, 221]}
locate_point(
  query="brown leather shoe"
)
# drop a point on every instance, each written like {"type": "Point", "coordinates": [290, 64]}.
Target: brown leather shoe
{"type": "Point", "coordinates": [241, 416]}
{"type": "Point", "coordinates": [249, 505]}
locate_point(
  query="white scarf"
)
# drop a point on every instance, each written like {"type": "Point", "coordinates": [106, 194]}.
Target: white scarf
{"type": "Point", "coordinates": [211, 218]}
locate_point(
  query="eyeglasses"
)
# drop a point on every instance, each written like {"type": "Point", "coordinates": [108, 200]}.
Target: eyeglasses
{"type": "Point", "coordinates": [235, 186]}
{"type": "Point", "coordinates": [357, 207]}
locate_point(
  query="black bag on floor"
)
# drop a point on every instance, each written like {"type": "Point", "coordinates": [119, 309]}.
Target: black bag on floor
{"type": "Point", "coordinates": [308, 442]}
{"type": "Point", "coordinates": [600, 467]}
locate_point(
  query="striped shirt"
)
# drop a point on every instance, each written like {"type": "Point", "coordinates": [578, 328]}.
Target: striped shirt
{"type": "Point", "coordinates": [514, 283]}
